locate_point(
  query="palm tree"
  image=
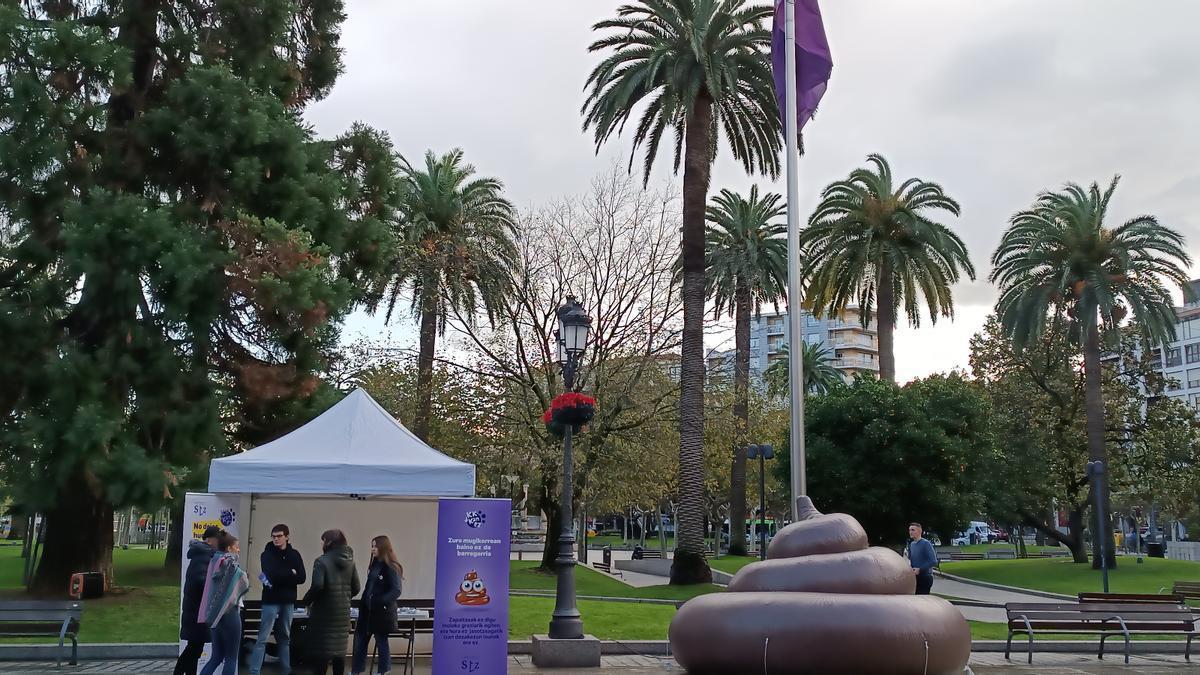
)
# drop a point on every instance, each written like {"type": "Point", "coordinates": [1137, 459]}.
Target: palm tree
{"type": "Point", "coordinates": [696, 67]}
{"type": "Point", "coordinates": [816, 361]}
{"type": "Point", "coordinates": [455, 257]}
{"type": "Point", "coordinates": [870, 242]}
{"type": "Point", "coordinates": [747, 266]}
{"type": "Point", "coordinates": [1059, 257]}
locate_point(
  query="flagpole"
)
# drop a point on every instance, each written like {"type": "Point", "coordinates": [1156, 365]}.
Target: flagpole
{"type": "Point", "coordinates": [796, 336]}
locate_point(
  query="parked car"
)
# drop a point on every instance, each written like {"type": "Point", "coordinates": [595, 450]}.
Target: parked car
{"type": "Point", "coordinates": [977, 532]}
{"type": "Point", "coordinates": [1000, 534]}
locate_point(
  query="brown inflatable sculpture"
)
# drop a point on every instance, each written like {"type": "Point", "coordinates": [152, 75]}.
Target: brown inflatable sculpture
{"type": "Point", "coordinates": [823, 602]}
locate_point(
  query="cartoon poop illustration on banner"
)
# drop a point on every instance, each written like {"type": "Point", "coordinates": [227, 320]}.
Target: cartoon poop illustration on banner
{"type": "Point", "coordinates": [472, 591]}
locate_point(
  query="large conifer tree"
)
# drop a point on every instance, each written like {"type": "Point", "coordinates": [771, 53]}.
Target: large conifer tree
{"type": "Point", "coordinates": [175, 245]}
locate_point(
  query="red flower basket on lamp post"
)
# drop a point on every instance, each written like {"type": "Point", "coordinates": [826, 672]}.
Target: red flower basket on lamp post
{"type": "Point", "coordinates": [572, 410]}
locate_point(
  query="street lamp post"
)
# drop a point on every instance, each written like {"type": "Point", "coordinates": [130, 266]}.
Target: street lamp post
{"type": "Point", "coordinates": [571, 338]}
{"type": "Point", "coordinates": [1095, 471]}
{"type": "Point", "coordinates": [761, 453]}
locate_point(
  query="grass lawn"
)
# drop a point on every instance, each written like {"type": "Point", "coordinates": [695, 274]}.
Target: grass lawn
{"type": "Point", "coordinates": [984, 548]}
{"type": "Point", "coordinates": [731, 563]}
{"type": "Point", "coordinates": [143, 608]}
{"type": "Point", "coordinates": [525, 576]}
{"type": "Point", "coordinates": [605, 620]}
{"type": "Point", "coordinates": [1064, 576]}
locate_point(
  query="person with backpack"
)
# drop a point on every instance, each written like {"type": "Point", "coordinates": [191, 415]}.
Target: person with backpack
{"type": "Point", "coordinates": [220, 606]}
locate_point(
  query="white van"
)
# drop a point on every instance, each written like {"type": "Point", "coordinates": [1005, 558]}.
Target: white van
{"type": "Point", "coordinates": [977, 532]}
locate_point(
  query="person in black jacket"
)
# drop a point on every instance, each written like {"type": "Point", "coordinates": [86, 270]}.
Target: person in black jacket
{"type": "Point", "coordinates": [199, 554]}
{"type": "Point", "coordinates": [282, 571]}
{"type": "Point", "coordinates": [377, 610]}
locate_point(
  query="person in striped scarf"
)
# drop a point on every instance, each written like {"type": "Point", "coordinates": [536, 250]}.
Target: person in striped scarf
{"type": "Point", "coordinates": [223, 591]}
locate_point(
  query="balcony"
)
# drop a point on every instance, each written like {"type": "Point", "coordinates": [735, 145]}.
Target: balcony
{"type": "Point", "coordinates": [855, 363]}
{"type": "Point", "coordinates": [848, 340]}
{"type": "Point", "coordinates": [775, 329]}
{"type": "Point", "coordinates": [852, 325]}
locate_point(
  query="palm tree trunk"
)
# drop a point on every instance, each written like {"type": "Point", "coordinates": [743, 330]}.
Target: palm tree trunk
{"type": "Point", "coordinates": [885, 306]}
{"type": "Point", "coordinates": [428, 342]}
{"type": "Point", "coordinates": [689, 565]}
{"type": "Point", "coordinates": [1094, 404]}
{"type": "Point", "coordinates": [741, 417]}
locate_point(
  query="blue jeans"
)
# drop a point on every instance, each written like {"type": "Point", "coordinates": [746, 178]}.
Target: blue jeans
{"type": "Point", "coordinates": [226, 640]}
{"type": "Point", "coordinates": [279, 619]}
{"type": "Point", "coordinates": [362, 639]}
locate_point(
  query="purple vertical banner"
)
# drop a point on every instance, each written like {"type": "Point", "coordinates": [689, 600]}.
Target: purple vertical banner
{"type": "Point", "coordinates": [470, 601]}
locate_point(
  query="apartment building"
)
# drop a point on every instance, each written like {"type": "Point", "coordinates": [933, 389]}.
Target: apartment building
{"type": "Point", "coordinates": [1181, 359]}
{"type": "Point", "coordinates": [853, 349]}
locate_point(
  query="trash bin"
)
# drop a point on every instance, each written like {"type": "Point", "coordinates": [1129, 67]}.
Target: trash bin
{"type": "Point", "coordinates": [606, 553]}
{"type": "Point", "coordinates": [1155, 549]}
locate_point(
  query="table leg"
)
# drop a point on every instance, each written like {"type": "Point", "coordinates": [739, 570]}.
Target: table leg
{"type": "Point", "coordinates": [409, 668]}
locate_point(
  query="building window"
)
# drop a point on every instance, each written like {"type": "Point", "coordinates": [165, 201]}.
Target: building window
{"type": "Point", "coordinates": [753, 343]}
{"type": "Point", "coordinates": [1193, 378]}
{"type": "Point", "coordinates": [1173, 384]}
{"type": "Point", "coordinates": [812, 320]}
{"type": "Point", "coordinates": [1196, 400]}
{"type": "Point", "coordinates": [1173, 357]}
{"type": "Point", "coordinates": [1192, 352]}
{"type": "Point", "coordinates": [813, 338]}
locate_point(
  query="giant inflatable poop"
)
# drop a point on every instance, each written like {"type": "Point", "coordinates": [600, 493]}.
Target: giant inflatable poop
{"type": "Point", "coordinates": [822, 602]}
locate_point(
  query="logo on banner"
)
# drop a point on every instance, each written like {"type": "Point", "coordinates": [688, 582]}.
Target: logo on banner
{"type": "Point", "coordinates": [476, 519]}
{"type": "Point", "coordinates": [227, 517]}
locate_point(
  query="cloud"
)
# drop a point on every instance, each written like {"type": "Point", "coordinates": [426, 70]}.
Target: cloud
{"type": "Point", "coordinates": [994, 100]}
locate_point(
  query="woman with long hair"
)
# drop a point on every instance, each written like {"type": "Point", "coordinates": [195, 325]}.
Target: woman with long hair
{"type": "Point", "coordinates": [223, 591]}
{"type": "Point", "coordinates": [377, 611]}
{"type": "Point", "coordinates": [334, 582]}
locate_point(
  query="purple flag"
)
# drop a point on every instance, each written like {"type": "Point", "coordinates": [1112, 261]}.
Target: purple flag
{"type": "Point", "coordinates": [813, 62]}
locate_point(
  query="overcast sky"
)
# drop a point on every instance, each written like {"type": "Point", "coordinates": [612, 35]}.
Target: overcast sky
{"type": "Point", "coordinates": [995, 100]}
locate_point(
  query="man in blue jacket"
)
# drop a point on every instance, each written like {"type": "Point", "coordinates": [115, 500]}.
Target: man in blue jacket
{"type": "Point", "coordinates": [922, 558]}
{"type": "Point", "coordinates": [282, 571]}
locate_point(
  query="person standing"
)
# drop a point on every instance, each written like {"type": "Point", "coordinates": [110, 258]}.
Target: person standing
{"type": "Point", "coordinates": [334, 582]}
{"type": "Point", "coordinates": [199, 554]}
{"type": "Point", "coordinates": [922, 558]}
{"type": "Point", "coordinates": [282, 571]}
{"type": "Point", "coordinates": [227, 583]}
{"type": "Point", "coordinates": [377, 611]}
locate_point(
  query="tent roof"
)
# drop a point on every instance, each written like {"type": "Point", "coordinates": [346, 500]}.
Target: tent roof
{"type": "Point", "coordinates": [355, 447]}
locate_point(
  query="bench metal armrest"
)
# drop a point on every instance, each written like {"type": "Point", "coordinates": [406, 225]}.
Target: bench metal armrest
{"type": "Point", "coordinates": [1124, 629]}
{"type": "Point", "coordinates": [1028, 634]}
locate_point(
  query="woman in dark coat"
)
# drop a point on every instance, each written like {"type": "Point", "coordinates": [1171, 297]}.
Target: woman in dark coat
{"type": "Point", "coordinates": [377, 611]}
{"type": "Point", "coordinates": [199, 554]}
{"type": "Point", "coordinates": [334, 582]}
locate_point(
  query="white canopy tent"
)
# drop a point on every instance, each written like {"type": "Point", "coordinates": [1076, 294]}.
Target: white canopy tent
{"type": "Point", "coordinates": [355, 447]}
{"type": "Point", "coordinates": [353, 468]}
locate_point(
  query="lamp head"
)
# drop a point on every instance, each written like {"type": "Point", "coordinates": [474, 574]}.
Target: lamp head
{"type": "Point", "coordinates": [573, 327]}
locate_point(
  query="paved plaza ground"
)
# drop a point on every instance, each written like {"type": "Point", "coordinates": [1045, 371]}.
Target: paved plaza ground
{"type": "Point", "coordinates": [981, 664]}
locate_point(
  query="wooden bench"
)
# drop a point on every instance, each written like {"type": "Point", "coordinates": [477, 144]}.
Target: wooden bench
{"type": "Point", "coordinates": [1161, 598]}
{"type": "Point", "coordinates": [252, 621]}
{"type": "Point", "coordinates": [607, 569]}
{"type": "Point", "coordinates": [654, 554]}
{"type": "Point", "coordinates": [43, 618]}
{"type": "Point", "coordinates": [1100, 618]}
{"type": "Point", "coordinates": [1002, 554]}
{"type": "Point", "coordinates": [966, 556]}
{"type": "Point", "coordinates": [1189, 590]}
